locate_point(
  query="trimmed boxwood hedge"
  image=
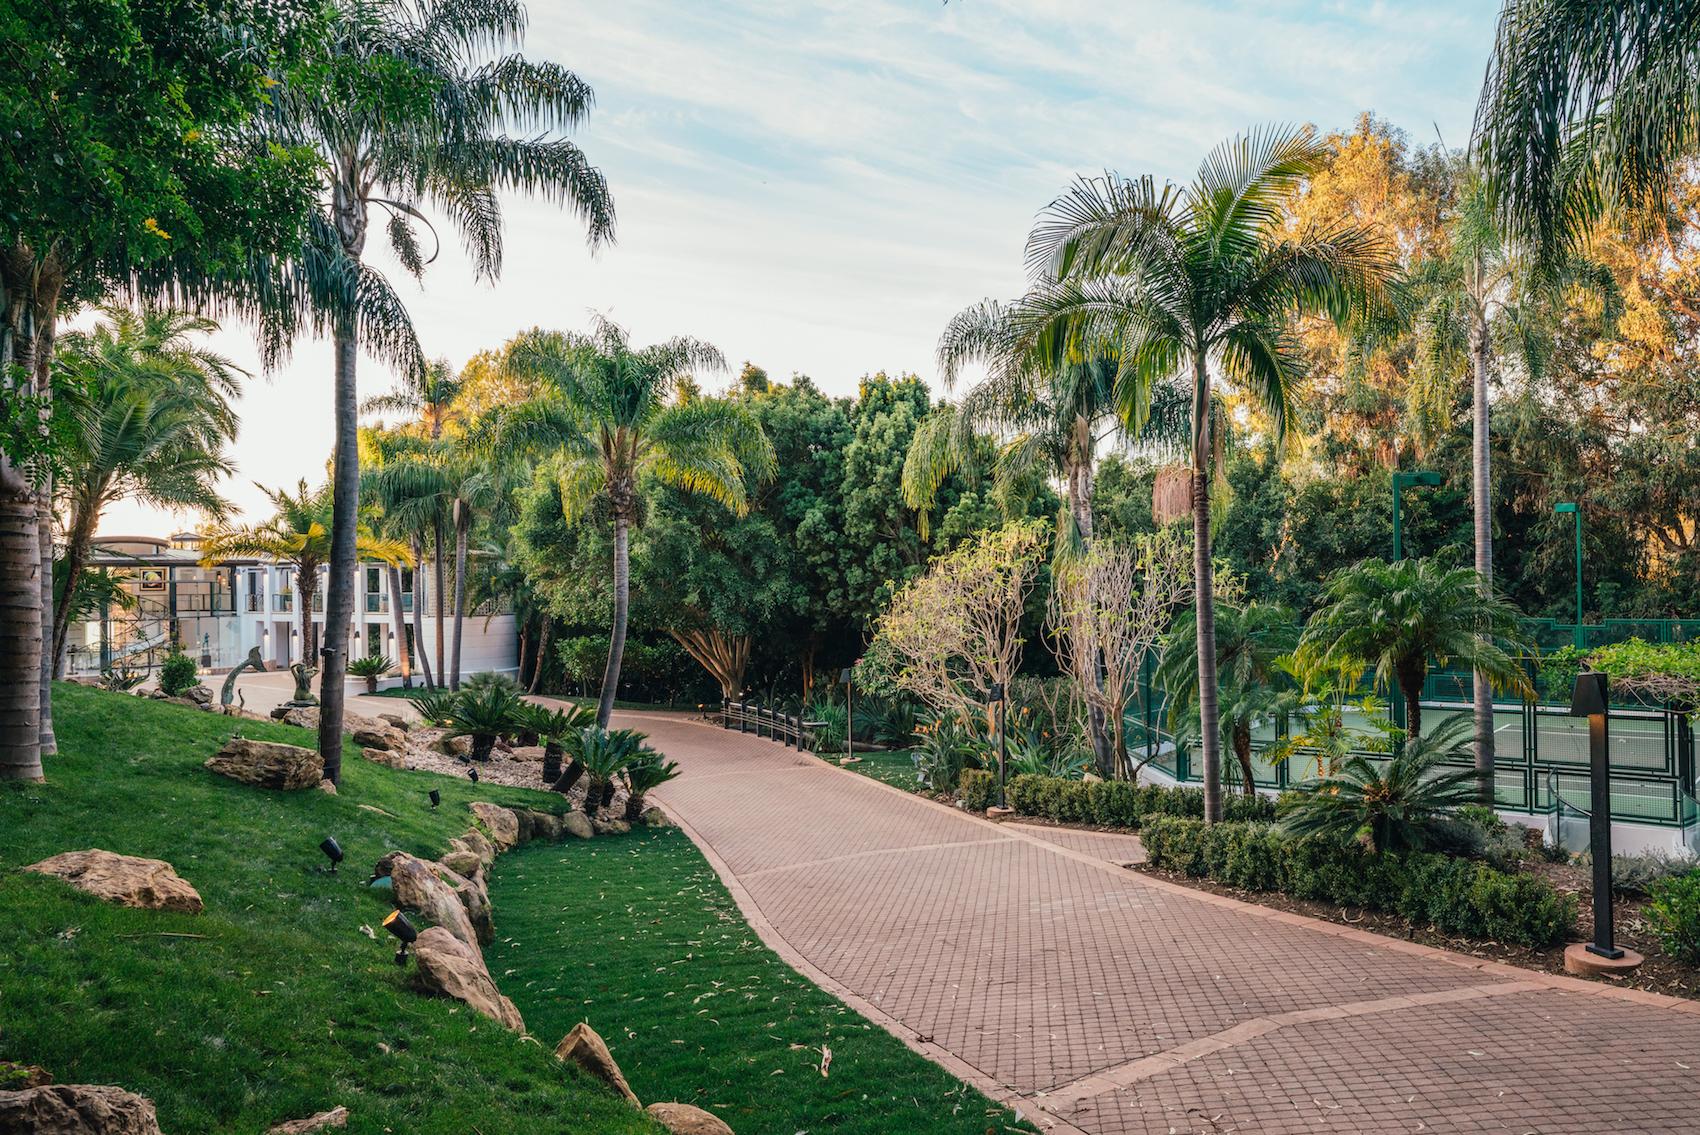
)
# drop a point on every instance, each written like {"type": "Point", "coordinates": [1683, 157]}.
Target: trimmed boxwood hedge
{"type": "Point", "coordinates": [1120, 803]}
{"type": "Point", "coordinates": [977, 788]}
{"type": "Point", "coordinates": [1454, 895]}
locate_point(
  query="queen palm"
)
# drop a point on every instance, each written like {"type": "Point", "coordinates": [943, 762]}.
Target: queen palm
{"type": "Point", "coordinates": [428, 395]}
{"type": "Point", "coordinates": [1198, 285]}
{"type": "Point", "coordinates": [1393, 619]}
{"type": "Point", "coordinates": [611, 418]}
{"type": "Point", "coordinates": [409, 110]}
{"type": "Point", "coordinates": [298, 534]}
{"type": "Point", "coordinates": [151, 421]}
{"type": "Point", "coordinates": [1588, 106]}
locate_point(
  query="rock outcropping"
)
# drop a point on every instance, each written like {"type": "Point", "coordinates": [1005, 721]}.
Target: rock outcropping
{"type": "Point", "coordinates": [152, 884]}
{"type": "Point", "coordinates": [268, 764]}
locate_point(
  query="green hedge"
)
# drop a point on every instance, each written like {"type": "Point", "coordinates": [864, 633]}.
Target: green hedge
{"type": "Point", "coordinates": [1120, 803]}
{"type": "Point", "coordinates": [1456, 896]}
{"type": "Point", "coordinates": [977, 788]}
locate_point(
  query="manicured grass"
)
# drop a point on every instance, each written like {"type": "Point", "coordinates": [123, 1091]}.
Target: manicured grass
{"type": "Point", "coordinates": [637, 936]}
{"type": "Point", "coordinates": [272, 1004]}
{"type": "Point", "coordinates": [896, 768]}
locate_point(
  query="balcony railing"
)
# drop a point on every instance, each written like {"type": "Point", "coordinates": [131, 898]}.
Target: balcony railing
{"type": "Point", "coordinates": [283, 601]}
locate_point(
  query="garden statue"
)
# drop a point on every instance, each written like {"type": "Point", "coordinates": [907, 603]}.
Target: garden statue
{"type": "Point", "coordinates": [228, 692]}
{"type": "Point", "coordinates": [303, 684]}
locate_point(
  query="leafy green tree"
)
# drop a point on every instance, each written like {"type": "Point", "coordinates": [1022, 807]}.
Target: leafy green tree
{"type": "Point", "coordinates": [611, 419]}
{"type": "Point", "coordinates": [1191, 285]}
{"type": "Point", "coordinates": [1394, 619]}
{"type": "Point", "coordinates": [131, 164]}
{"type": "Point", "coordinates": [152, 417]}
{"type": "Point", "coordinates": [1253, 641]}
{"type": "Point", "coordinates": [411, 108]}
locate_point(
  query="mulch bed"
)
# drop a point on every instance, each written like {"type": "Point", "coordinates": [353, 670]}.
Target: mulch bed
{"type": "Point", "coordinates": [1659, 974]}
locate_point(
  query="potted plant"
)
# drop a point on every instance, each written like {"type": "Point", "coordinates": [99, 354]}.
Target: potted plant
{"type": "Point", "coordinates": [484, 715]}
{"type": "Point", "coordinates": [372, 667]}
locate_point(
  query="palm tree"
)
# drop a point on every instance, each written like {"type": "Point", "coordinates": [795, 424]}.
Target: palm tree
{"type": "Point", "coordinates": [1198, 284]}
{"type": "Point", "coordinates": [1252, 641]}
{"type": "Point", "coordinates": [409, 109]}
{"type": "Point", "coordinates": [1395, 618]}
{"type": "Point", "coordinates": [428, 396]}
{"type": "Point", "coordinates": [1050, 414]}
{"type": "Point", "coordinates": [298, 534]}
{"type": "Point", "coordinates": [1589, 105]}
{"type": "Point", "coordinates": [151, 420]}
{"type": "Point", "coordinates": [611, 418]}
{"type": "Point", "coordinates": [398, 477]}
{"type": "Point", "coordinates": [1482, 293]}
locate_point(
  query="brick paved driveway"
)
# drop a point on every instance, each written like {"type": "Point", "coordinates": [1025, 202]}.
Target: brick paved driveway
{"type": "Point", "coordinates": [1099, 1000]}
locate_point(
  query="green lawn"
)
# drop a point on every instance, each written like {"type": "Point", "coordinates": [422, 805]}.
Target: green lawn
{"type": "Point", "coordinates": [896, 768]}
{"type": "Point", "coordinates": [639, 938]}
{"type": "Point", "coordinates": [273, 1004]}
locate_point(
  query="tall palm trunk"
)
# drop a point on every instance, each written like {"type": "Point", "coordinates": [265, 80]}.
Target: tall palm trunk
{"type": "Point", "coordinates": [622, 608]}
{"type": "Point", "coordinates": [419, 611]}
{"type": "Point", "coordinates": [306, 585]}
{"type": "Point", "coordinates": [440, 581]}
{"type": "Point", "coordinates": [20, 563]}
{"type": "Point", "coordinates": [544, 636]}
{"type": "Point", "coordinates": [345, 506]}
{"type": "Point", "coordinates": [1209, 713]}
{"type": "Point", "coordinates": [1481, 484]}
{"type": "Point", "coordinates": [398, 627]}
{"type": "Point", "coordinates": [461, 525]}
{"type": "Point", "coordinates": [49, 658]}
{"type": "Point", "coordinates": [77, 541]}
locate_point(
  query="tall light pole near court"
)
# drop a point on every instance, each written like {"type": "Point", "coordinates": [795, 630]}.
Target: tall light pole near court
{"type": "Point", "coordinates": [1401, 482]}
{"type": "Point", "coordinates": [1575, 510]}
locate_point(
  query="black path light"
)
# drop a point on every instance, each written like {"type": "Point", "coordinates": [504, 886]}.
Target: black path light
{"type": "Point", "coordinates": [472, 775]}
{"type": "Point", "coordinates": [1591, 698]}
{"type": "Point", "coordinates": [332, 850]}
{"type": "Point", "coordinates": [436, 797]}
{"type": "Point", "coordinates": [396, 923]}
{"type": "Point", "coordinates": [844, 676]}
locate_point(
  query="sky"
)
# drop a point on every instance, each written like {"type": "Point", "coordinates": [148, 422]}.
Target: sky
{"type": "Point", "coordinates": [817, 186]}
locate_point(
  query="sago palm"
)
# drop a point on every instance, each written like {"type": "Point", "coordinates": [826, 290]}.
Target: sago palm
{"type": "Point", "coordinates": [411, 107]}
{"type": "Point", "coordinates": [298, 534]}
{"type": "Point", "coordinates": [1390, 803]}
{"type": "Point", "coordinates": [1589, 105]}
{"type": "Point", "coordinates": [151, 420]}
{"type": "Point", "coordinates": [1395, 618]}
{"type": "Point", "coordinates": [612, 418]}
{"type": "Point", "coordinates": [647, 771]}
{"type": "Point", "coordinates": [1200, 285]}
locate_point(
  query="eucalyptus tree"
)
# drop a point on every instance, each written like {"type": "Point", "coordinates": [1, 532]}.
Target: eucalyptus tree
{"type": "Point", "coordinates": [410, 107]}
{"type": "Point", "coordinates": [151, 419]}
{"type": "Point", "coordinates": [1479, 301]}
{"type": "Point", "coordinates": [611, 417]}
{"type": "Point", "coordinates": [1199, 284]}
{"type": "Point", "coordinates": [1588, 106]}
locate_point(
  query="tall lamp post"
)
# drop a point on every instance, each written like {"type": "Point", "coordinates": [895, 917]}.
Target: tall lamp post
{"type": "Point", "coordinates": [1401, 482]}
{"type": "Point", "coordinates": [849, 718]}
{"type": "Point", "coordinates": [1591, 698]}
{"type": "Point", "coordinates": [1575, 510]}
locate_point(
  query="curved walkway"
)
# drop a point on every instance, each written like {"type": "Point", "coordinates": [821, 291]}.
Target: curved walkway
{"type": "Point", "coordinates": [1100, 1000]}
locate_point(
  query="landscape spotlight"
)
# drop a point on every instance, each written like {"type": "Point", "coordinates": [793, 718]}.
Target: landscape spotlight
{"type": "Point", "coordinates": [332, 850]}
{"type": "Point", "coordinates": [436, 798]}
{"type": "Point", "coordinates": [396, 923]}
{"type": "Point", "coordinates": [472, 774]}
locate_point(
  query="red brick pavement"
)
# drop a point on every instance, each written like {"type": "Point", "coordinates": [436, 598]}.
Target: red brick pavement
{"type": "Point", "coordinates": [1100, 1000]}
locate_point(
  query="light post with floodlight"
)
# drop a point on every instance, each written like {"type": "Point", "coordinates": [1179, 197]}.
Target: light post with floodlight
{"type": "Point", "coordinates": [1575, 510]}
{"type": "Point", "coordinates": [1401, 482]}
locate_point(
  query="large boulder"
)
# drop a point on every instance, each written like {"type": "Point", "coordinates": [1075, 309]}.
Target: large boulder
{"type": "Point", "coordinates": [501, 823]}
{"type": "Point", "coordinates": [377, 736]}
{"type": "Point", "coordinates": [200, 695]}
{"type": "Point", "coordinates": [464, 863]}
{"type": "Point", "coordinates": [474, 899]}
{"type": "Point", "coordinates": [325, 1120]}
{"type": "Point", "coordinates": [420, 888]}
{"type": "Point", "coordinates": [128, 880]}
{"type": "Point", "coordinates": [531, 753]}
{"type": "Point", "coordinates": [301, 716]}
{"type": "Point", "coordinates": [474, 841]}
{"type": "Point", "coordinates": [396, 721]}
{"type": "Point", "coordinates": [683, 1119]}
{"type": "Point", "coordinates": [545, 826]}
{"type": "Point", "coordinates": [586, 1048]}
{"type": "Point", "coordinates": [268, 764]}
{"type": "Point", "coordinates": [610, 826]}
{"type": "Point", "coordinates": [654, 817]}
{"type": "Point", "coordinates": [577, 825]}
{"type": "Point", "coordinates": [453, 746]}
{"type": "Point", "coordinates": [389, 758]}
{"type": "Point", "coordinates": [76, 1109]}
{"type": "Point", "coordinates": [452, 968]}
